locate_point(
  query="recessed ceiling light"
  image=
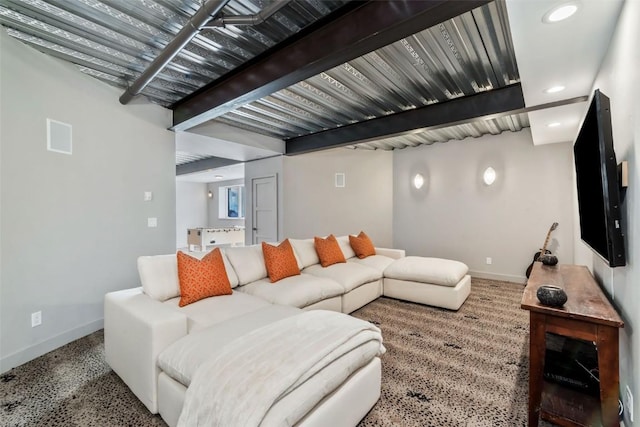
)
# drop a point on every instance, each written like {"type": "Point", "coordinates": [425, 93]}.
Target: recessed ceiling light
{"type": "Point", "coordinates": [560, 13]}
{"type": "Point", "coordinates": [555, 89]}
{"type": "Point", "coordinates": [553, 125]}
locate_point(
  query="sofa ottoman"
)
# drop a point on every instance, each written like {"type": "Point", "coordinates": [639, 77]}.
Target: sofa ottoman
{"type": "Point", "coordinates": [431, 281]}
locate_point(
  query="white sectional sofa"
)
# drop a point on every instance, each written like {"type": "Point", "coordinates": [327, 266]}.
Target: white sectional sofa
{"type": "Point", "coordinates": [152, 344]}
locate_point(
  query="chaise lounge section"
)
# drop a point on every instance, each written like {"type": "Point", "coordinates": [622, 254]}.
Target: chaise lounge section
{"type": "Point", "coordinates": [432, 281]}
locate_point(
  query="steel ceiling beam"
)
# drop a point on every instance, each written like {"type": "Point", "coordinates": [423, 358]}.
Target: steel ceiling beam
{"type": "Point", "coordinates": [204, 164]}
{"type": "Point", "coordinates": [479, 106]}
{"type": "Point", "coordinates": [352, 31]}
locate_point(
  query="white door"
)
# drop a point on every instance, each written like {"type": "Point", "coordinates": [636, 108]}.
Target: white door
{"type": "Point", "coordinates": [265, 209]}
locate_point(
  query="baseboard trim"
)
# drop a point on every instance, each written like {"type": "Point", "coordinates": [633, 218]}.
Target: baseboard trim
{"type": "Point", "coordinates": [29, 353]}
{"type": "Point", "coordinates": [497, 276]}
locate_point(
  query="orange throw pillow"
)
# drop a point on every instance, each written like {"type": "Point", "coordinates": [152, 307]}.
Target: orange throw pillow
{"type": "Point", "coordinates": [328, 250]}
{"type": "Point", "coordinates": [362, 245]}
{"type": "Point", "coordinates": [202, 278]}
{"type": "Point", "coordinates": [280, 261]}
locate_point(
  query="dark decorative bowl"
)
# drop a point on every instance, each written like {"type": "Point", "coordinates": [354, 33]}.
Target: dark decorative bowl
{"type": "Point", "coordinates": [552, 296]}
{"type": "Point", "coordinates": [549, 259]}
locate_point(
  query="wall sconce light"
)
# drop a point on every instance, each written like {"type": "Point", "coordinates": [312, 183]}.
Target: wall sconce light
{"type": "Point", "coordinates": [210, 194]}
{"type": "Point", "coordinates": [489, 175]}
{"type": "Point", "coordinates": [418, 181]}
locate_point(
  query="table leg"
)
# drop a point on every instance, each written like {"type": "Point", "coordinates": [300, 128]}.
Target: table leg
{"type": "Point", "coordinates": [537, 347]}
{"type": "Point", "coordinates": [607, 344]}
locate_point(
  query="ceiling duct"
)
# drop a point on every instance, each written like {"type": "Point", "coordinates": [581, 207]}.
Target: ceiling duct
{"type": "Point", "coordinates": [256, 19]}
{"type": "Point", "coordinates": [184, 36]}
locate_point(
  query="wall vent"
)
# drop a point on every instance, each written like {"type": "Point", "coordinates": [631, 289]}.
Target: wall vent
{"type": "Point", "coordinates": [58, 137]}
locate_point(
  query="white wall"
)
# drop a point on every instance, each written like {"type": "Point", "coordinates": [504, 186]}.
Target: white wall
{"type": "Point", "coordinates": [455, 215]}
{"type": "Point", "coordinates": [618, 79]}
{"type": "Point", "coordinates": [191, 209]}
{"type": "Point", "coordinates": [72, 226]}
{"type": "Point", "coordinates": [315, 207]}
{"type": "Point", "coordinates": [213, 205]}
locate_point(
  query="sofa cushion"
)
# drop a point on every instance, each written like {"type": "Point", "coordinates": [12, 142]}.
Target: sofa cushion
{"type": "Point", "coordinates": [349, 275]}
{"type": "Point", "coordinates": [280, 260]}
{"type": "Point", "coordinates": [379, 262]}
{"type": "Point", "coordinates": [159, 274]}
{"type": "Point", "coordinates": [345, 247]}
{"type": "Point", "coordinates": [362, 245]}
{"type": "Point", "coordinates": [305, 251]}
{"type": "Point", "coordinates": [202, 278]}
{"type": "Point", "coordinates": [183, 358]}
{"type": "Point", "coordinates": [248, 263]}
{"type": "Point", "coordinates": [328, 250]}
{"type": "Point", "coordinates": [296, 291]}
{"type": "Point", "coordinates": [437, 271]}
{"type": "Point", "coordinates": [209, 311]}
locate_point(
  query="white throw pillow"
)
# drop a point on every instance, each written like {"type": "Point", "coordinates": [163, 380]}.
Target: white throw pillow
{"type": "Point", "coordinates": [248, 263]}
{"type": "Point", "coordinates": [159, 276]}
{"type": "Point", "coordinates": [305, 251]}
{"type": "Point", "coordinates": [345, 246]}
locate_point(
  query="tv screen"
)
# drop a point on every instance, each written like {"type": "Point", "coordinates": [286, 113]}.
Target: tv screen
{"type": "Point", "coordinates": [597, 180]}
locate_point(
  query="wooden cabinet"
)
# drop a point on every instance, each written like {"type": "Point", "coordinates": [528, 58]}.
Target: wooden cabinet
{"type": "Point", "coordinates": [587, 315]}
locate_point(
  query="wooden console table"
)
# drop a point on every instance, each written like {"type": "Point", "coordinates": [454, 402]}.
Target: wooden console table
{"type": "Point", "coordinates": [587, 315]}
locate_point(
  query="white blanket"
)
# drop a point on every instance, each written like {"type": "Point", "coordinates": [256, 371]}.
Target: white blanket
{"type": "Point", "coordinates": [242, 381]}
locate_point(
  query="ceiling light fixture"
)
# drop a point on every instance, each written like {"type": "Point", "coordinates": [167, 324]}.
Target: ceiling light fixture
{"type": "Point", "coordinates": [418, 181]}
{"type": "Point", "coordinates": [560, 13]}
{"type": "Point", "coordinates": [555, 89]}
{"type": "Point", "coordinates": [218, 177]}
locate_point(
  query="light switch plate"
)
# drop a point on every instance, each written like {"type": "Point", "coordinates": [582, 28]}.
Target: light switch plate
{"type": "Point", "coordinates": [152, 222]}
{"type": "Point", "coordinates": [36, 319]}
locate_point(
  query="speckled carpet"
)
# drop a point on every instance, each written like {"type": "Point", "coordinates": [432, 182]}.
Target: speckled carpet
{"type": "Point", "coordinates": [442, 368]}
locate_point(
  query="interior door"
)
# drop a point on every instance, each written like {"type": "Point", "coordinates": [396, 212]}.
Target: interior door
{"type": "Point", "coordinates": [265, 209]}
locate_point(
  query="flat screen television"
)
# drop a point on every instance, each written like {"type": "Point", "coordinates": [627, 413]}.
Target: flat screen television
{"type": "Point", "coordinates": [597, 180]}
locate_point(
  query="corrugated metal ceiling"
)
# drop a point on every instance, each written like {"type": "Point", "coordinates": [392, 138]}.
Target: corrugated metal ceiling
{"type": "Point", "coordinates": [468, 54]}
{"type": "Point", "coordinates": [115, 40]}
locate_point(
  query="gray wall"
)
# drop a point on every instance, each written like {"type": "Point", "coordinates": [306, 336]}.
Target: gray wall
{"type": "Point", "coordinates": [455, 215]}
{"type": "Point", "coordinates": [191, 209]}
{"type": "Point", "coordinates": [618, 79]}
{"type": "Point", "coordinates": [259, 169]}
{"type": "Point", "coordinates": [213, 205]}
{"type": "Point", "coordinates": [315, 207]}
{"type": "Point", "coordinates": [73, 226]}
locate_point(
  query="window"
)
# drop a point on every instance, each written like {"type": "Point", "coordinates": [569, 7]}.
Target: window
{"type": "Point", "coordinates": [231, 202]}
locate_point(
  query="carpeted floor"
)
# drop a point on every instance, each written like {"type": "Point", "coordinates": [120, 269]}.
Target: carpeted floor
{"type": "Point", "coordinates": [442, 368]}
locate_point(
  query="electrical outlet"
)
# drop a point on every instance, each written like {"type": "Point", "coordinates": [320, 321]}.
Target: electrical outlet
{"type": "Point", "coordinates": [628, 403]}
{"type": "Point", "coordinates": [148, 196]}
{"type": "Point", "coordinates": [489, 260]}
{"type": "Point", "coordinates": [152, 222]}
{"type": "Point", "coordinates": [36, 319]}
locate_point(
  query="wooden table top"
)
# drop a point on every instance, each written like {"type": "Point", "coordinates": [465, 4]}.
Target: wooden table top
{"type": "Point", "coordinates": [585, 300]}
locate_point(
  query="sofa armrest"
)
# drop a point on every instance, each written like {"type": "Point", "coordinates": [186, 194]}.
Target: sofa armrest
{"type": "Point", "coordinates": [391, 253]}
{"type": "Point", "coordinates": [136, 329]}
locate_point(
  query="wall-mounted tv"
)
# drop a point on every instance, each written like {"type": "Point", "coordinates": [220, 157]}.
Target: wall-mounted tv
{"type": "Point", "coordinates": [597, 180]}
